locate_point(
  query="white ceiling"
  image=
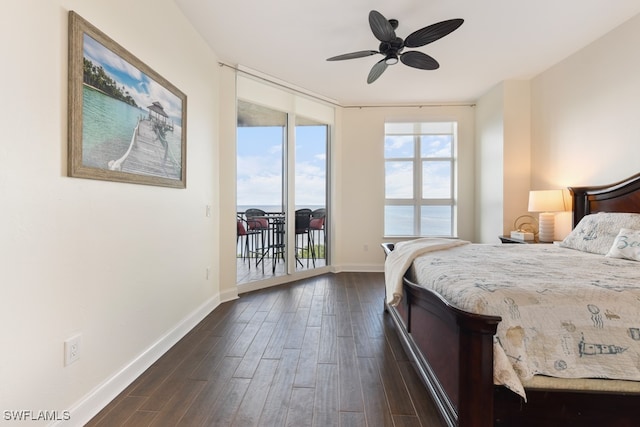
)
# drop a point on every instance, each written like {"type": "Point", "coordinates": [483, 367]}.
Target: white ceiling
{"type": "Point", "coordinates": [290, 40]}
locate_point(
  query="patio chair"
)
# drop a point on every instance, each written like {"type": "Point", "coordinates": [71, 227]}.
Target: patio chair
{"type": "Point", "coordinates": [317, 225]}
{"type": "Point", "coordinates": [258, 225]}
{"type": "Point", "coordinates": [303, 220]}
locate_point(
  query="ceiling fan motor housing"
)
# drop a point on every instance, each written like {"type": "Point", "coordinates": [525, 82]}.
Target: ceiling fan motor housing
{"type": "Point", "coordinates": [391, 49]}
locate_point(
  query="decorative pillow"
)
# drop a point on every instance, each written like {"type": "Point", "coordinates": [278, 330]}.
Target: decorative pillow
{"type": "Point", "coordinates": [595, 233]}
{"type": "Point", "coordinates": [626, 245]}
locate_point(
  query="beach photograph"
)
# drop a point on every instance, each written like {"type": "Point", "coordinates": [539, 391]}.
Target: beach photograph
{"type": "Point", "coordinates": [132, 120]}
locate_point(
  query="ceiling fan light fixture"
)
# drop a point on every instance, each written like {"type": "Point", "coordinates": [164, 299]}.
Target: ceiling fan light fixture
{"type": "Point", "coordinates": [391, 59]}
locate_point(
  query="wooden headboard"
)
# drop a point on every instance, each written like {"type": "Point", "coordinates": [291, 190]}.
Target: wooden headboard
{"type": "Point", "coordinates": [623, 196]}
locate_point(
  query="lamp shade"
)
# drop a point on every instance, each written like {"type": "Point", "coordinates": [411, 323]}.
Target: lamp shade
{"type": "Point", "coordinates": [546, 201]}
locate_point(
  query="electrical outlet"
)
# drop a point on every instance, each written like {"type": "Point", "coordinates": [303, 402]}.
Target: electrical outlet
{"type": "Point", "coordinates": [71, 350]}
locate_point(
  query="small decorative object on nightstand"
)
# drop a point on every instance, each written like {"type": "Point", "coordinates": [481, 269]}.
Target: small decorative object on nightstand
{"type": "Point", "coordinates": [525, 227]}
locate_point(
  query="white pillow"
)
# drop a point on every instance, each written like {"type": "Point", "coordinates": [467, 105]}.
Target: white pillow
{"type": "Point", "coordinates": [595, 233]}
{"type": "Point", "coordinates": [626, 245]}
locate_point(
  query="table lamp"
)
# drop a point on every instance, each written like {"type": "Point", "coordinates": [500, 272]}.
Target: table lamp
{"type": "Point", "coordinates": [546, 202]}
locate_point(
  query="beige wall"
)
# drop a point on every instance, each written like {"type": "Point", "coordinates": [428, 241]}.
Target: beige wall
{"type": "Point", "coordinates": [489, 140]}
{"type": "Point", "coordinates": [585, 115]}
{"type": "Point", "coordinates": [123, 265]}
{"type": "Point", "coordinates": [503, 156]}
{"type": "Point", "coordinates": [517, 151]}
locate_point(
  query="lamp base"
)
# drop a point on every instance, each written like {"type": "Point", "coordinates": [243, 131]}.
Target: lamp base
{"type": "Point", "coordinates": [547, 227]}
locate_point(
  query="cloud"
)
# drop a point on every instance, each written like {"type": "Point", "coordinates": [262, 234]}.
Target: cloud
{"type": "Point", "coordinates": [99, 54]}
{"type": "Point", "coordinates": [142, 88]}
{"type": "Point", "coordinates": [260, 167]}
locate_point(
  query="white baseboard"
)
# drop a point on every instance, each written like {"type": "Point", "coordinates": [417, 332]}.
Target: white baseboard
{"type": "Point", "coordinates": [85, 409]}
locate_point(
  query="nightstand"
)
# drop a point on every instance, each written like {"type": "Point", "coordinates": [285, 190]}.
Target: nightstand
{"type": "Point", "coordinates": [508, 239]}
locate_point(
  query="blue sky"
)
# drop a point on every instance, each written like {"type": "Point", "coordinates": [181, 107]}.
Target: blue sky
{"type": "Point", "coordinates": [260, 163]}
{"type": "Point", "coordinates": [141, 87]}
{"type": "Point", "coordinates": [399, 174]}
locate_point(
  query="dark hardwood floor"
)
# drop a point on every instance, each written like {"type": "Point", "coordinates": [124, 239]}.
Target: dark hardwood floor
{"type": "Point", "coordinates": [316, 352]}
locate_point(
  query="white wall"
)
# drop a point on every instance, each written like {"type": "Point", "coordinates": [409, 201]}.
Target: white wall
{"type": "Point", "coordinates": [503, 153]}
{"type": "Point", "coordinates": [360, 185]}
{"type": "Point", "coordinates": [517, 151]}
{"type": "Point", "coordinates": [585, 114]}
{"type": "Point", "coordinates": [489, 151]}
{"type": "Point", "coordinates": [585, 126]}
{"type": "Point", "coordinates": [121, 264]}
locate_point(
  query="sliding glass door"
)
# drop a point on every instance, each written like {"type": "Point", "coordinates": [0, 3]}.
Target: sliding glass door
{"type": "Point", "coordinates": [281, 193]}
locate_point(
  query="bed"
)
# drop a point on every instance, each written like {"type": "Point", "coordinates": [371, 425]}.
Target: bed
{"type": "Point", "coordinates": [455, 349]}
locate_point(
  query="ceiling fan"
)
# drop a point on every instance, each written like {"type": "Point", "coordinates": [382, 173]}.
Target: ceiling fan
{"type": "Point", "coordinates": [392, 46]}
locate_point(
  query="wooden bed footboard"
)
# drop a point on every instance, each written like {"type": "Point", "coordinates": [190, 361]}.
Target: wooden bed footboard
{"type": "Point", "coordinates": [453, 353]}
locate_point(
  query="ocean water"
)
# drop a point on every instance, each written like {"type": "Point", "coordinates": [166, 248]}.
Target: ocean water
{"type": "Point", "coordinates": [434, 221]}
{"type": "Point", "coordinates": [107, 128]}
{"type": "Point", "coordinates": [275, 208]}
{"type": "Point", "coordinates": [398, 222]}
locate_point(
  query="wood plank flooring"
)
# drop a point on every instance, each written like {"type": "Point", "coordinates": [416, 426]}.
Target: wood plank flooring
{"type": "Point", "coordinates": [318, 352]}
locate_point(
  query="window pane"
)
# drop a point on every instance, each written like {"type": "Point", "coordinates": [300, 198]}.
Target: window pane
{"type": "Point", "coordinates": [436, 180]}
{"type": "Point", "coordinates": [398, 180]}
{"type": "Point", "coordinates": [261, 136]}
{"type": "Point", "coordinates": [398, 146]}
{"type": "Point", "coordinates": [398, 221]}
{"type": "Point", "coordinates": [435, 145]}
{"type": "Point", "coordinates": [435, 220]}
{"type": "Point", "coordinates": [311, 190]}
{"type": "Point", "coordinates": [310, 166]}
{"type": "Point", "coordinates": [259, 163]}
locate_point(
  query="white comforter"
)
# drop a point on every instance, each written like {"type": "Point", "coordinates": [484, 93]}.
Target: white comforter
{"type": "Point", "coordinates": [565, 313]}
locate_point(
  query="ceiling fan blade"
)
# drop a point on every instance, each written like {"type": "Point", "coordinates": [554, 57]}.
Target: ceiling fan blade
{"type": "Point", "coordinates": [381, 27]}
{"type": "Point", "coordinates": [376, 71]}
{"type": "Point", "coordinates": [419, 60]}
{"type": "Point", "coordinates": [353, 55]}
{"type": "Point", "coordinates": [432, 33]}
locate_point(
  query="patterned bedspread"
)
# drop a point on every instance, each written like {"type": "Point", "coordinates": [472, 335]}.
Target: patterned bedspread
{"type": "Point", "coordinates": [565, 313]}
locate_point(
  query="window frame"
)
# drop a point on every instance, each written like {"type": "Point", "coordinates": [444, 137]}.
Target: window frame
{"type": "Point", "coordinates": [418, 201]}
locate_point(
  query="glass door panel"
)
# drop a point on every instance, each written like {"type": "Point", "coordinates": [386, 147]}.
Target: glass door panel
{"type": "Point", "coordinates": [311, 142]}
{"type": "Point", "coordinates": [260, 184]}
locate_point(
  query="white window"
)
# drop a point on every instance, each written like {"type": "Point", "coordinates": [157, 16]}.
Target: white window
{"type": "Point", "coordinates": [420, 179]}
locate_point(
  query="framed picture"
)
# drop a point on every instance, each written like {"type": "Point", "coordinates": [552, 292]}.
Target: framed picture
{"type": "Point", "coordinates": [126, 122]}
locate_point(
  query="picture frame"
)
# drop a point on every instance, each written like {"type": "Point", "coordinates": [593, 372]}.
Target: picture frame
{"type": "Point", "coordinates": [126, 122]}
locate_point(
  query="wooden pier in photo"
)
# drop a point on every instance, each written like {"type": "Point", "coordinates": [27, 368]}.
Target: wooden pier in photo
{"type": "Point", "coordinates": [148, 153]}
